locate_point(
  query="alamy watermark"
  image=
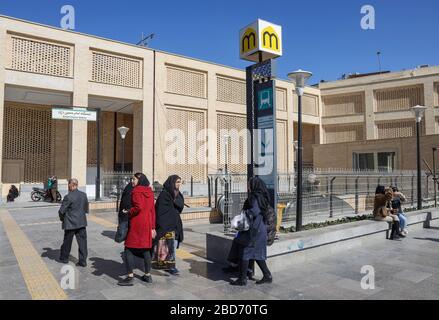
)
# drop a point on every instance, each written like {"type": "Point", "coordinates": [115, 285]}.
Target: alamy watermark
{"type": "Point", "coordinates": [368, 20]}
{"type": "Point", "coordinates": [68, 20]}
{"type": "Point", "coordinates": [368, 281]}
{"type": "Point", "coordinates": [68, 280]}
{"type": "Point", "coordinates": [208, 147]}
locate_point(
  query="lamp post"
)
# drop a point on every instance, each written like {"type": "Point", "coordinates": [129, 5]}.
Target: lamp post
{"type": "Point", "coordinates": [299, 78]}
{"type": "Point", "coordinates": [123, 133]}
{"type": "Point", "coordinates": [434, 177]}
{"type": "Point", "coordinates": [418, 112]}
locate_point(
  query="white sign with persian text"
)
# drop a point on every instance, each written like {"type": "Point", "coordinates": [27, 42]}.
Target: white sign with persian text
{"type": "Point", "coordinates": [73, 114]}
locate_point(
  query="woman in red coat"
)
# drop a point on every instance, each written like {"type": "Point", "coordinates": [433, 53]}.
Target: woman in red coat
{"type": "Point", "coordinates": [141, 228]}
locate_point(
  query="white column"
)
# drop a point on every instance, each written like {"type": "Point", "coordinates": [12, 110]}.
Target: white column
{"type": "Point", "coordinates": [430, 121]}
{"type": "Point", "coordinates": [78, 128]}
{"type": "Point", "coordinates": [212, 123]}
{"type": "Point", "coordinates": [143, 122]}
{"type": "Point", "coordinates": [370, 115]}
{"type": "Point", "coordinates": [290, 129]}
{"type": "Point", "coordinates": [3, 57]}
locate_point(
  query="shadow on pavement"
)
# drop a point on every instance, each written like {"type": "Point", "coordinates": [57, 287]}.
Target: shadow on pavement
{"type": "Point", "coordinates": [111, 268]}
{"type": "Point", "coordinates": [429, 239]}
{"type": "Point", "coordinates": [53, 254]}
{"type": "Point", "coordinates": [208, 270]}
{"type": "Point", "coordinates": [109, 234]}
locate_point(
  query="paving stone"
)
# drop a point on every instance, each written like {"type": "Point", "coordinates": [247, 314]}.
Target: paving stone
{"type": "Point", "coordinates": [413, 276]}
{"type": "Point", "coordinates": [403, 269]}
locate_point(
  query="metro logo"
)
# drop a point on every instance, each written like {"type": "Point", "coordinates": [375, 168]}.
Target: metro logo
{"type": "Point", "coordinates": [248, 41]}
{"type": "Point", "coordinates": [270, 39]}
{"type": "Point", "coordinates": [260, 41]}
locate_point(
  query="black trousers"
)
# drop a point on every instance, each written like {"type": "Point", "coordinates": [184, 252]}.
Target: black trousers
{"type": "Point", "coordinates": [246, 265]}
{"type": "Point", "coordinates": [81, 238]}
{"type": "Point", "coordinates": [145, 254]}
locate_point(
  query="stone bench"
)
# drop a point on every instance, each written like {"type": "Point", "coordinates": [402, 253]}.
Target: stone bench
{"type": "Point", "coordinates": [294, 248]}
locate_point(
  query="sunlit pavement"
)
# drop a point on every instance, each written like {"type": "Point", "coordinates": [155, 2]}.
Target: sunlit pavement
{"type": "Point", "coordinates": [30, 239]}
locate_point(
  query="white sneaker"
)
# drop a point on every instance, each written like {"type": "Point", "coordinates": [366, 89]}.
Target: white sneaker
{"type": "Point", "coordinates": [405, 232]}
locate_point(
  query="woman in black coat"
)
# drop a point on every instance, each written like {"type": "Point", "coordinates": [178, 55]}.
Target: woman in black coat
{"type": "Point", "coordinates": [252, 244]}
{"type": "Point", "coordinates": [123, 219]}
{"type": "Point", "coordinates": [169, 226]}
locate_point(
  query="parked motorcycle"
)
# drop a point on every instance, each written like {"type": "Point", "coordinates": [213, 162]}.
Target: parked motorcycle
{"type": "Point", "coordinates": [39, 194]}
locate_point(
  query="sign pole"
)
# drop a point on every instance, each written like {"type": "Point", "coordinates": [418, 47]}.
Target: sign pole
{"type": "Point", "coordinates": [250, 121]}
{"type": "Point", "coordinates": [261, 42]}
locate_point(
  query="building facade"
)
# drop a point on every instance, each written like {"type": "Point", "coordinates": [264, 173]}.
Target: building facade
{"type": "Point", "coordinates": [153, 92]}
{"type": "Point", "coordinates": [367, 122]}
{"type": "Point", "coordinates": [148, 91]}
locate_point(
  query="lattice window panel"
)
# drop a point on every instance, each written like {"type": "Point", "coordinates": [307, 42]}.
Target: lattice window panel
{"type": "Point", "coordinates": [343, 133]}
{"type": "Point", "coordinates": [310, 105]}
{"type": "Point", "coordinates": [231, 90]}
{"type": "Point", "coordinates": [341, 105]}
{"type": "Point", "coordinates": [398, 129]}
{"type": "Point", "coordinates": [40, 57]}
{"type": "Point", "coordinates": [186, 82]}
{"type": "Point", "coordinates": [282, 146]}
{"type": "Point", "coordinates": [92, 159]}
{"type": "Point", "coordinates": [281, 99]}
{"type": "Point", "coordinates": [28, 137]}
{"type": "Point", "coordinates": [237, 151]}
{"type": "Point", "coordinates": [182, 119]}
{"type": "Point", "coordinates": [116, 70]}
{"type": "Point", "coordinates": [398, 99]}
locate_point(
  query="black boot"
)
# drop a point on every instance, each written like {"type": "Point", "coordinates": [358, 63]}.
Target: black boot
{"type": "Point", "coordinates": [267, 278]}
{"type": "Point", "coordinates": [242, 280]}
{"type": "Point", "coordinates": [394, 235]}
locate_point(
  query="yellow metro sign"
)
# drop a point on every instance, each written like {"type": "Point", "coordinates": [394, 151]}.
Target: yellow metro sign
{"type": "Point", "coordinates": [260, 39]}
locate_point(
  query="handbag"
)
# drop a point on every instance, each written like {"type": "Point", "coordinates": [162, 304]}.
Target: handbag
{"type": "Point", "coordinates": [241, 222]}
{"type": "Point", "coordinates": [122, 231]}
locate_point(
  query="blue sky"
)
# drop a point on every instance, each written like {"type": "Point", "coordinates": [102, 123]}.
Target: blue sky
{"type": "Point", "coordinates": [324, 37]}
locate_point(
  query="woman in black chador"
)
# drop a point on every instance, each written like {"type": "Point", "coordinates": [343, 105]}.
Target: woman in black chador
{"type": "Point", "coordinates": [252, 244]}
{"type": "Point", "coordinates": [168, 207]}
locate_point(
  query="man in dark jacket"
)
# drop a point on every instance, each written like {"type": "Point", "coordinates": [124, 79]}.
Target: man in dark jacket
{"type": "Point", "coordinates": [73, 216]}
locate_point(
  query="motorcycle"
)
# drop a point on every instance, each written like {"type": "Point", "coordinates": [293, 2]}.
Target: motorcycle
{"type": "Point", "coordinates": [39, 194]}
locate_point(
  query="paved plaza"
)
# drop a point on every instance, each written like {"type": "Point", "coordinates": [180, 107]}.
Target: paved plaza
{"type": "Point", "coordinates": [30, 239]}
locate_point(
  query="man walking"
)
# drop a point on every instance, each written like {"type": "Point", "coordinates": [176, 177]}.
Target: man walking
{"type": "Point", "coordinates": [73, 216]}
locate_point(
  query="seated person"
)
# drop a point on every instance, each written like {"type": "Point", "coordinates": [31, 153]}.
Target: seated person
{"type": "Point", "coordinates": [381, 212]}
{"type": "Point", "coordinates": [12, 194]}
{"type": "Point", "coordinates": [398, 198]}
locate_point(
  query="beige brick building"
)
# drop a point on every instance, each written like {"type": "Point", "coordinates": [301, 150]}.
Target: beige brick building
{"type": "Point", "coordinates": [151, 92]}
{"type": "Point", "coordinates": [367, 122]}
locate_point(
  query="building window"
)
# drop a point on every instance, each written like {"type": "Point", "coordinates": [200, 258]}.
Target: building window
{"type": "Point", "coordinates": [377, 161]}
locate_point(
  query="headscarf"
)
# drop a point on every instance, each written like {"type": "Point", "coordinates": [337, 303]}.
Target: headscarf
{"type": "Point", "coordinates": [169, 185]}
{"type": "Point", "coordinates": [142, 179]}
{"type": "Point", "coordinates": [258, 191]}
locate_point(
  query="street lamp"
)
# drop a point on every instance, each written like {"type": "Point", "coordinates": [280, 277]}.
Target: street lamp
{"type": "Point", "coordinates": [123, 133]}
{"type": "Point", "coordinates": [418, 112]}
{"type": "Point", "coordinates": [299, 78]}
{"type": "Point", "coordinates": [434, 177]}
